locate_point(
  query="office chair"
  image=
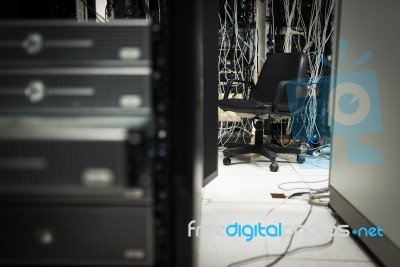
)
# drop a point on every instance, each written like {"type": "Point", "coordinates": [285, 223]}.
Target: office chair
{"type": "Point", "coordinates": [282, 73]}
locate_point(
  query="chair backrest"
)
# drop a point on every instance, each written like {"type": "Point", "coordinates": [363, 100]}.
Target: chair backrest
{"type": "Point", "coordinates": [279, 67]}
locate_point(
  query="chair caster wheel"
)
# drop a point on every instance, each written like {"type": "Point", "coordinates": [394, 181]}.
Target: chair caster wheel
{"type": "Point", "coordinates": [227, 161]}
{"type": "Point", "coordinates": [274, 167]}
{"type": "Point", "coordinates": [300, 159]}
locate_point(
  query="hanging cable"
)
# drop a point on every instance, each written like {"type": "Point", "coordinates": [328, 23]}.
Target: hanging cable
{"type": "Point", "coordinates": [236, 59]}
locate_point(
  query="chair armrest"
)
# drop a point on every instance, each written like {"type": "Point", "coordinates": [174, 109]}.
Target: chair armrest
{"type": "Point", "coordinates": [281, 87]}
{"type": "Point", "coordinates": [229, 85]}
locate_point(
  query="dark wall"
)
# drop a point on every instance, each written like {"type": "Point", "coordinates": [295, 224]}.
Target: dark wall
{"type": "Point", "coordinates": [210, 93]}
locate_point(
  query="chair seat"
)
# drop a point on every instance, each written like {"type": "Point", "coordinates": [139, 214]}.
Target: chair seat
{"type": "Point", "coordinates": [245, 106]}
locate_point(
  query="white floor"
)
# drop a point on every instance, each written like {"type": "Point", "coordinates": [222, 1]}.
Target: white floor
{"type": "Point", "coordinates": [241, 193]}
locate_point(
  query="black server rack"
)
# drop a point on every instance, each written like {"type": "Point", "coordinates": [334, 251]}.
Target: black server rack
{"type": "Point", "coordinates": [76, 143]}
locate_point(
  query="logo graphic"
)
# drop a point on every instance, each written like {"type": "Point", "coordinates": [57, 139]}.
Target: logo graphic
{"type": "Point", "coordinates": [355, 110]}
{"type": "Point", "coordinates": [356, 104]}
{"type": "Point", "coordinates": [362, 88]}
{"type": "Point", "coordinates": [368, 232]}
{"type": "Point", "coordinates": [248, 232]}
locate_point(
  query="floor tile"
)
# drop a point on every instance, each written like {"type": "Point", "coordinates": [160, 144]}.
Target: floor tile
{"type": "Point", "coordinates": [312, 166]}
{"type": "Point", "coordinates": [241, 194]}
{"type": "Point", "coordinates": [286, 262]}
{"type": "Point", "coordinates": [314, 182]}
{"type": "Point", "coordinates": [316, 231]}
{"type": "Point", "coordinates": [251, 188]}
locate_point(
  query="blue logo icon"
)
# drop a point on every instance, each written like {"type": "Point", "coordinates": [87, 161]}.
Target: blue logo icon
{"type": "Point", "coordinates": [356, 107]}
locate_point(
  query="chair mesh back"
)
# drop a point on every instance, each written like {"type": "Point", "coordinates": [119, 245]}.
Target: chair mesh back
{"type": "Point", "coordinates": [279, 67]}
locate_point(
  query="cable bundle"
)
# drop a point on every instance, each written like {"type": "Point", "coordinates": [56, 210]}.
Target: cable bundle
{"type": "Point", "coordinates": [307, 27]}
{"type": "Point", "coordinates": [237, 50]}
{"type": "Point", "coordinates": [317, 38]}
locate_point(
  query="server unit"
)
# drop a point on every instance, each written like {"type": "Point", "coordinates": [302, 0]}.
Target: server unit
{"type": "Point", "coordinates": [76, 235]}
{"type": "Point", "coordinates": [61, 67]}
{"type": "Point", "coordinates": [76, 91]}
{"type": "Point", "coordinates": [76, 144]}
{"type": "Point", "coordinates": [63, 43]}
{"type": "Point", "coordinates": [79, 160]}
